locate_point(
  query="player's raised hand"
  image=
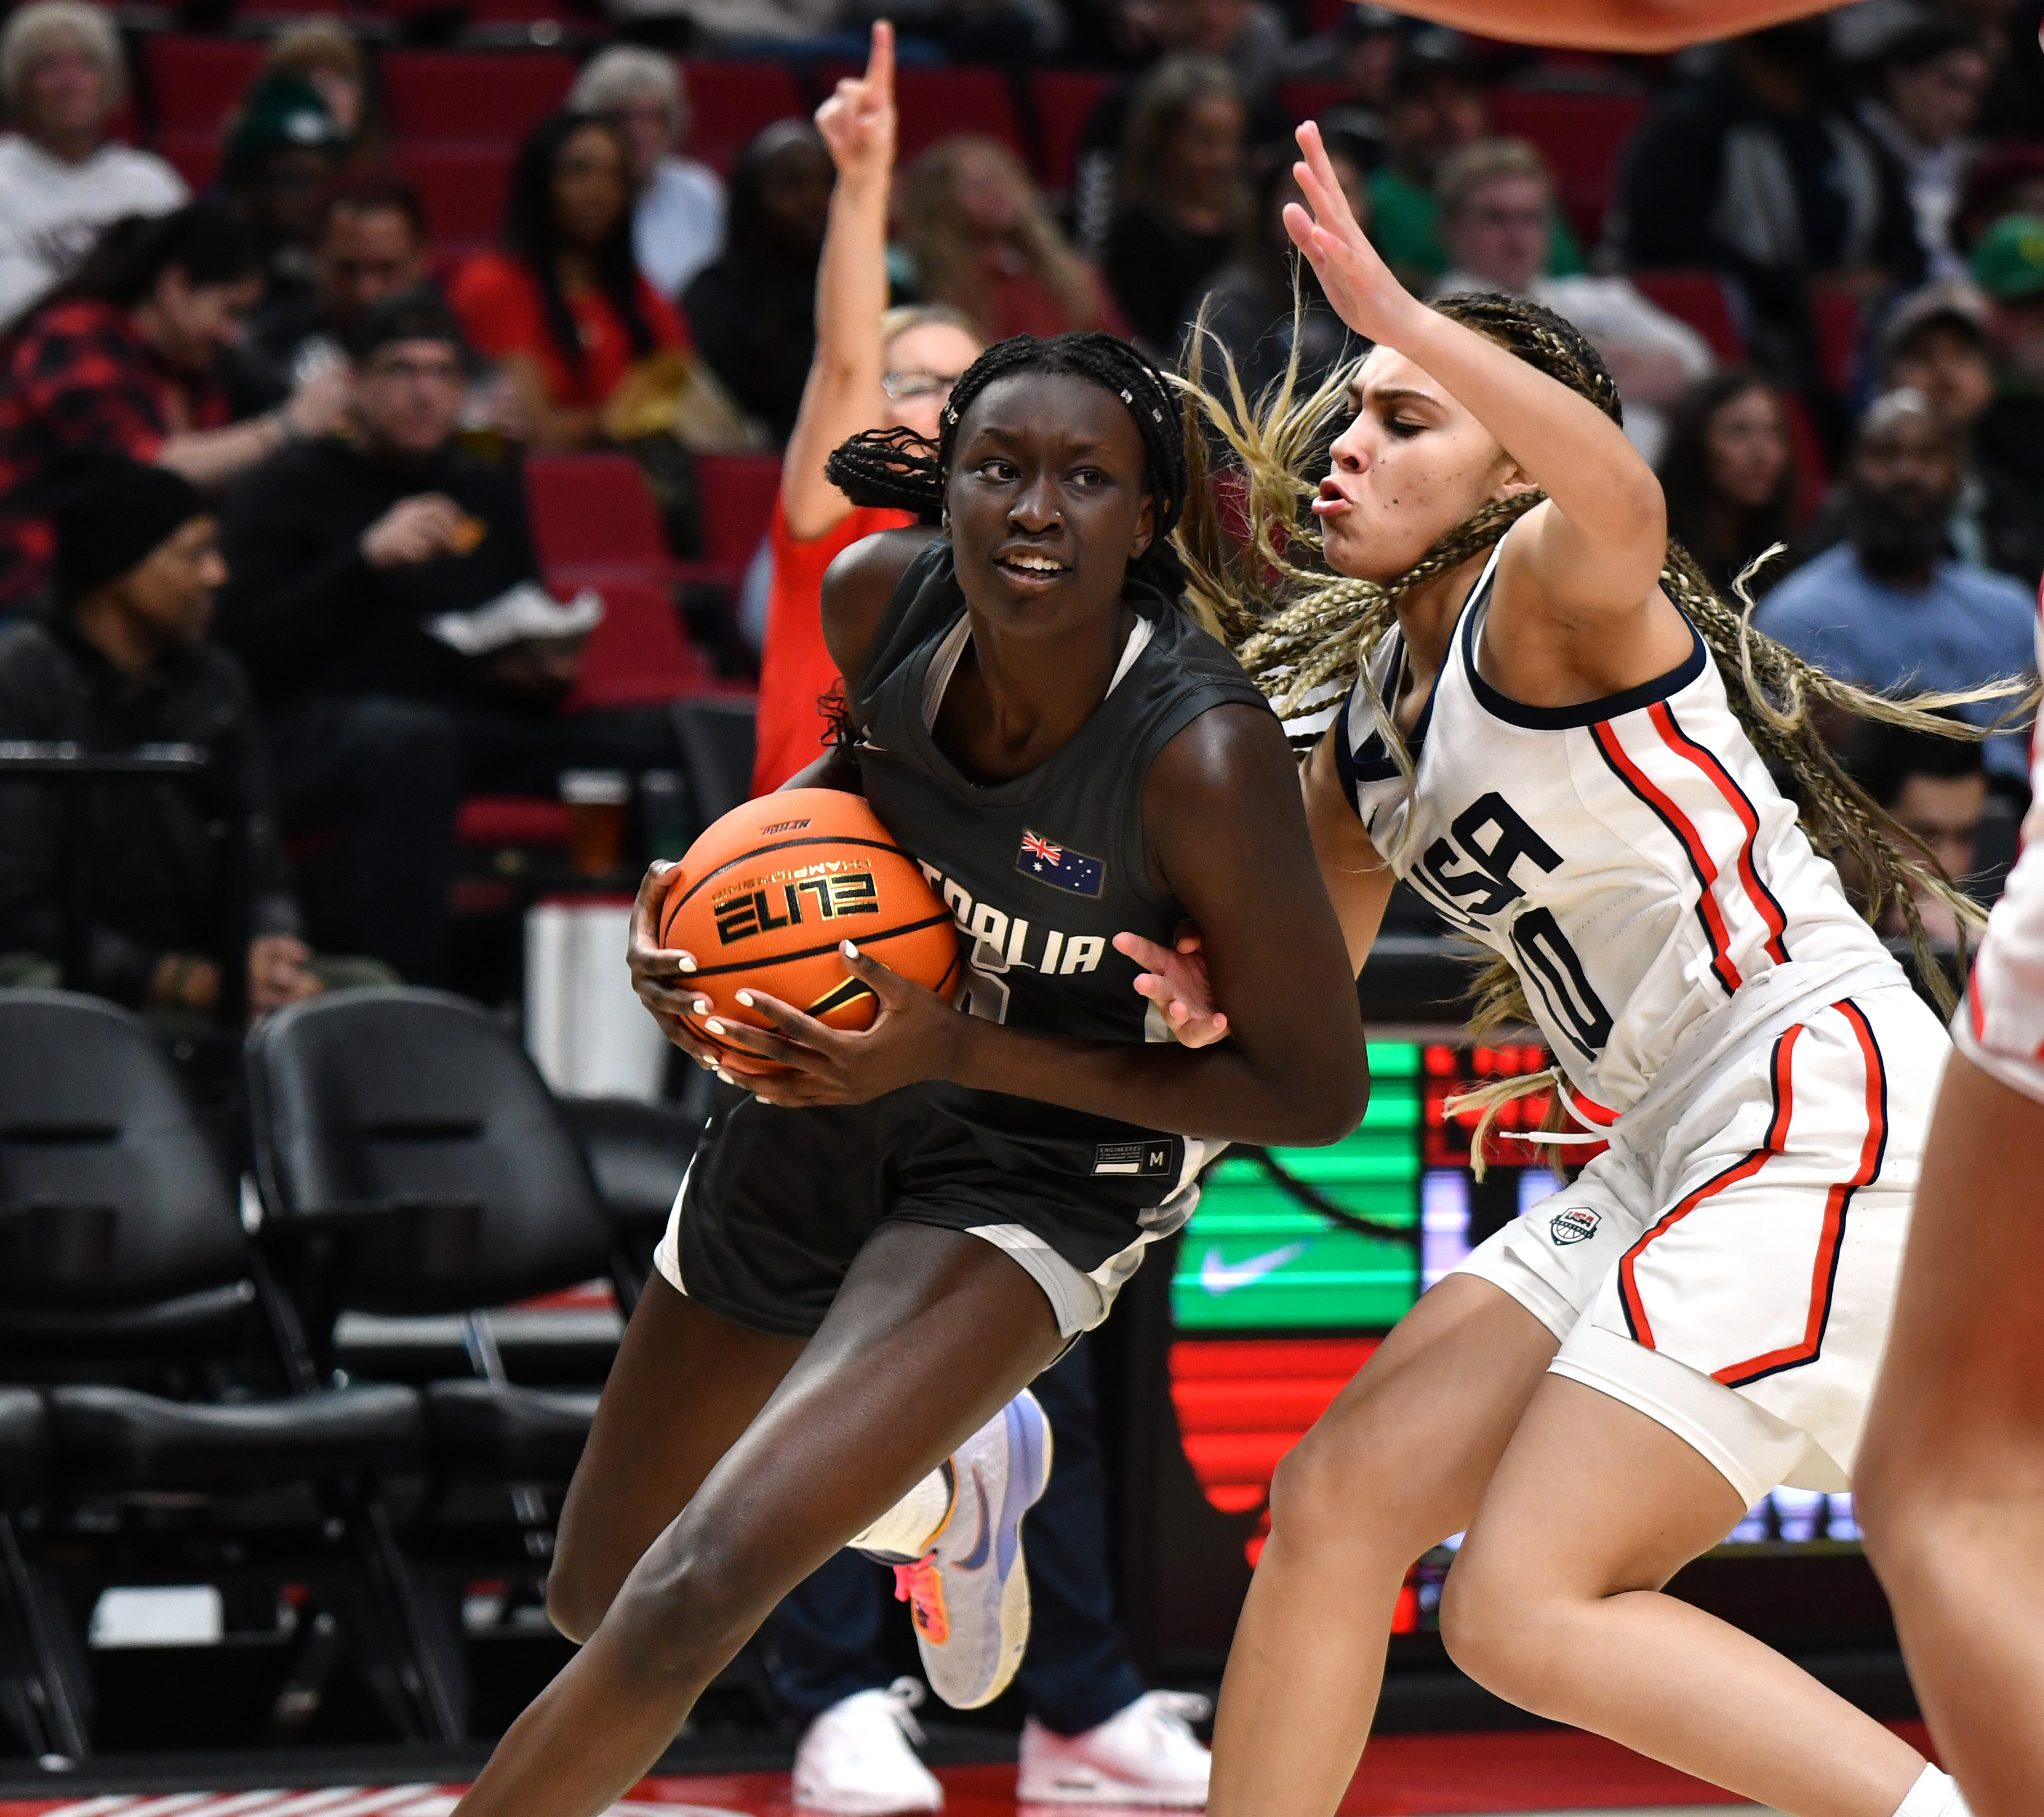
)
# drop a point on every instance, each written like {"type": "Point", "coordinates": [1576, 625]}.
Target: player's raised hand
{"type": "Point", "coordinates": [857, 122]}
{"type": "Point", "coordinates": [1358, 282]}
{"type": "Point", "coordinates": [659, 974]}
{"type": "Point", "coordinates": [1175, 980]}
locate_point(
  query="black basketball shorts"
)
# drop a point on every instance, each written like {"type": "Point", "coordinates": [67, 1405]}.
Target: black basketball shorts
{"type": "Point", "coordinates": [778, 1202]}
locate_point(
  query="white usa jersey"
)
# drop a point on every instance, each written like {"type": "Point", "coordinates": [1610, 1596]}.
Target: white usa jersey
{"type": "Point", "coordinates": [1631, 858]}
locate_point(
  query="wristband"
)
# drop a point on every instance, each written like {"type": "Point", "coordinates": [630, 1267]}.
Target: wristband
{"type": "Point", "coordinates": [287, 431]}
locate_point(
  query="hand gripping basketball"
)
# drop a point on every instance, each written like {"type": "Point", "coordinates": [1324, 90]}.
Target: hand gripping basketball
{"type": "Point", "coordinates": [763, 903]}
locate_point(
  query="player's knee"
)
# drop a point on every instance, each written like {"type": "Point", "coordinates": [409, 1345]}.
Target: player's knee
{"type": "Point", "coordinates": [1499, 1631]}
{"type": "Point", "coordinates": [692, 1602]}
{"type": "Point", "coordinates": [1341, 1488]}
{"type": "Point", "coordinates": [575, 1600]}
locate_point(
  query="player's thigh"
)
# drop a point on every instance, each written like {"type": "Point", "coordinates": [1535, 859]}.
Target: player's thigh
{"type": "Point", "coordinates": [932, 1333]}
{"type": "Point", "coordinates": [1412, 1441]}
{"type": "Point", "coordinates": [1591, 1498]}
{"type": "Point", "coordinates": [1963, 1378]}
{"type": "Point", "coordinates": [686, 1383]}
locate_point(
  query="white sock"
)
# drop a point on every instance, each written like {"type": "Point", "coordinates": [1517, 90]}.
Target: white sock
{"type": "Point", "coordinates": [1935, 1794]}
{"type": "Point", "coordinates": [907, 1528]}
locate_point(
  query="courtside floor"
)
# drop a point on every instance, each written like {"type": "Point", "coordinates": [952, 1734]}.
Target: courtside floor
{"type": "Point", "coordinates": [1553, 1773]}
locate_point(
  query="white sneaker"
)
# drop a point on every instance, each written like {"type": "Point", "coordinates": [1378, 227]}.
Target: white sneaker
{"type": "Point", "coordinates": [855, 1757]}
{"type": "Point", "coordinates": [969, 1594]}
{"type": "Point", "coordinates": [1145, 1754]}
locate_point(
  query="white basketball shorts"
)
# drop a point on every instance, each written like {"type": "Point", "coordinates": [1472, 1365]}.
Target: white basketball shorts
{"type": "Point", "coordinates": [1736, 1283]}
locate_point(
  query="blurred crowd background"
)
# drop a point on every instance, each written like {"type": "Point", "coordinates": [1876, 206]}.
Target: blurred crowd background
{"type": "Point", "coordinates": [474, 331]}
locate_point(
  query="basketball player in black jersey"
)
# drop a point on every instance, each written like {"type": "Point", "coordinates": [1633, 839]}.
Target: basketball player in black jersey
{"type": "Point", "coordinates": [880, 1249]}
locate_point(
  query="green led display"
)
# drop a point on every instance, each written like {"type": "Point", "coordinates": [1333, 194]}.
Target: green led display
{"type": "Point", "coordinates": [1253, 1258]}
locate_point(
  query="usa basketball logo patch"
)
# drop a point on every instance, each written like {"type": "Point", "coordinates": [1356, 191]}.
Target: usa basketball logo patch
{"type": "Point", "coordinates": [1574, 1225]}
{"type": "Point", "coordinates": [1059, 866]}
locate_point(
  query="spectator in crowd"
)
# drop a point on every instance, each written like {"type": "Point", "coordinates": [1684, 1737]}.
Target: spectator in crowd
{"type": "Point", "coordinates": [282, 154]}
{"type": "Point", "coordinates": [1497, 202]}
{"type": "Point", "coordinates": [121, 359]}
{"type": "Point", "coordinates": [1937, 789]}
{"type": "Point", "coordinates": [1437, 109]}
{"type": "Point", "coordinates": [1183, 195]}
{"type": "Point", "coordinates": [1360, 50]}
{"type": "Point", "coordinates": [2009, 265]}
{"type": "Point", "coordinates": [1889, 608]}
{"type": "Point", "coordinates": [978, 237]}
{"type": "Point", "coordinates": [677, 218]}
{"type": "Point", "coordinates": [361, 567]}
{"type": "Point", "coordinates": [2009, 180]}
{"type": "Point", "coordinates": [1937, 344]}
{"type": "Point", "coordinates": [1728, 471]}
{"type": "Point", "coordinates": [61, 179]}
{"type": "Point", "coordinates": [322, 53]}
{"type": "Point", "coordinates": [372, 245]}
{"type": "Point", "coordinates": [1757, 173]}
{"type": "Point", "coordinates": [1248, 312]}
{"type": "Point", "coordinates": [1247, 36]}
{"type": "Point", "coordinates": [874, 368]}
{"type": "Point", "coordinates": [1930, 81]}
{"type": "Point", "coordinates": [754, 310]}
{"type": "Point", "coordinates": [121, 659]}
{"type": "Point", "coordinates": [563, 307]}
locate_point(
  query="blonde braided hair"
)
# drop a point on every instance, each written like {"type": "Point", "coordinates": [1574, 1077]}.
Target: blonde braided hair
{"type": "Point", "coordinates": [1306, 635]}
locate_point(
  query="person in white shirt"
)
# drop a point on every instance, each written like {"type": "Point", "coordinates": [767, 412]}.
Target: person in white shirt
{"type": "Point", "coordinates": [678, 223]}
{"type": "Point", "coordinates": [1496, 199]}
{"type": "Point", "coordinates": [61, 179]}
{"type": "Point", "coordinates": [1932, 78]}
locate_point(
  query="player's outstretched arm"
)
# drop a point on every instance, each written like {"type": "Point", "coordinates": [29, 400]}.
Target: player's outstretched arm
{"type": "Point", "coordinates": [1358, 883]}
{"type": "Point", "coordinates": [1646, 27]}
{"type": "Point", "coordinates": [1229, 840]}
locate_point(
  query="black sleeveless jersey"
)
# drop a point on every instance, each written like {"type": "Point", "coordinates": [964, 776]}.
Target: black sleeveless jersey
{"type": "Point", "coordinates": [1043, 870]}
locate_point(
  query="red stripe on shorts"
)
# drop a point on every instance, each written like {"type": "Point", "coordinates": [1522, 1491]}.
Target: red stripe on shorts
{"type": "Point", "coordinates": [1776, 1140]}
{"type": "Point", "coordinates": [1837, 1201]}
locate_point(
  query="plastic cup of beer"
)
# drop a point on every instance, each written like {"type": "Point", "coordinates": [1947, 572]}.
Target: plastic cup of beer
{"type": "Point", "coordinates": [595, 800]}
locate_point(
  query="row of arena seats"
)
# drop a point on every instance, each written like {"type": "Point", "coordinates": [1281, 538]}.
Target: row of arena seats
{"type": "Point", "coordinates": [173, 1411]}
{"type": "Point", "coordinates": [594, 524]}
{"type": "Point", "coordinates": [455, 115]}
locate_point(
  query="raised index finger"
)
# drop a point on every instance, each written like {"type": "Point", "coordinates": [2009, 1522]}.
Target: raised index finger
{"type": "Point", "coordinates": [880, 63]}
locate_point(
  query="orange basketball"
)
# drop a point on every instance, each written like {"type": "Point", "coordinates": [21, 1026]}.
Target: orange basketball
{"type": "Point", "coordinates": [765, 896]}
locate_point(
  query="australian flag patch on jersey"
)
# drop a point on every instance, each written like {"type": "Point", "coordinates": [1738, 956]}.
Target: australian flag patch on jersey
{"type": "Point", "coordinates": [1059, 866]}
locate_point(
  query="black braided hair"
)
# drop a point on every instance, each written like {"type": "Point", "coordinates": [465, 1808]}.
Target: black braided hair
{"type": "Point", "coordinates": [895, 469]}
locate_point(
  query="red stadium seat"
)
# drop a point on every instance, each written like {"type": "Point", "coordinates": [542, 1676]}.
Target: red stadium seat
{"type": "Point", "coordinates": [1064, 100]}
{"type": "Point", "coordinates": [1698, 298]}
{"type": "Point", "coordinates": [195, 83]}
{"type": "Point", "coordinates": [1580, 134]}
{"type": "Point", "coordinates": [1838, 328]}
{"type": "Point", "coordinates": [593, 520]}
{"type": "Point", "coordinates": [637, 656]}
{"type": "Point", "coordinates": [737, 491]}
{"type": "Point", "coordinates": [734, 101]}
{"type": "Point", "coordinates": [1298, 100]}
{"type": "Point", "coordinates": [479, 97]}
{"type": "Point", "coordinates": [511, 820]}
{"type": "Point", "coordinates": [195, 156]}
{"type": "Point", "coordinates": [463, 188]}
{"type": "Point", "coordinates": [1812, 471]}
{"type": "Point", "coordinates": [935, 104]}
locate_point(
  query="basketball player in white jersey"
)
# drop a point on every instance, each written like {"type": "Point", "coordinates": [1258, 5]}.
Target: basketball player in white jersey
{"type": "Point", "coordinates": [1541, 738]}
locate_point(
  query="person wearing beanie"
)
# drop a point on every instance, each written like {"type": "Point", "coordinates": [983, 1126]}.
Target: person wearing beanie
{"type": "Point", "coordinates": [357, 561]}
{"type": "Point", "coordinates": [282, 154]}
{"type": "Point", "coordinates": [119, 660]}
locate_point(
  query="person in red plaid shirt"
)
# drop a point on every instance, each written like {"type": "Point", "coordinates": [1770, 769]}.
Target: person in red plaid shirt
{"type": "Point", "coordinates": [118, 360]}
